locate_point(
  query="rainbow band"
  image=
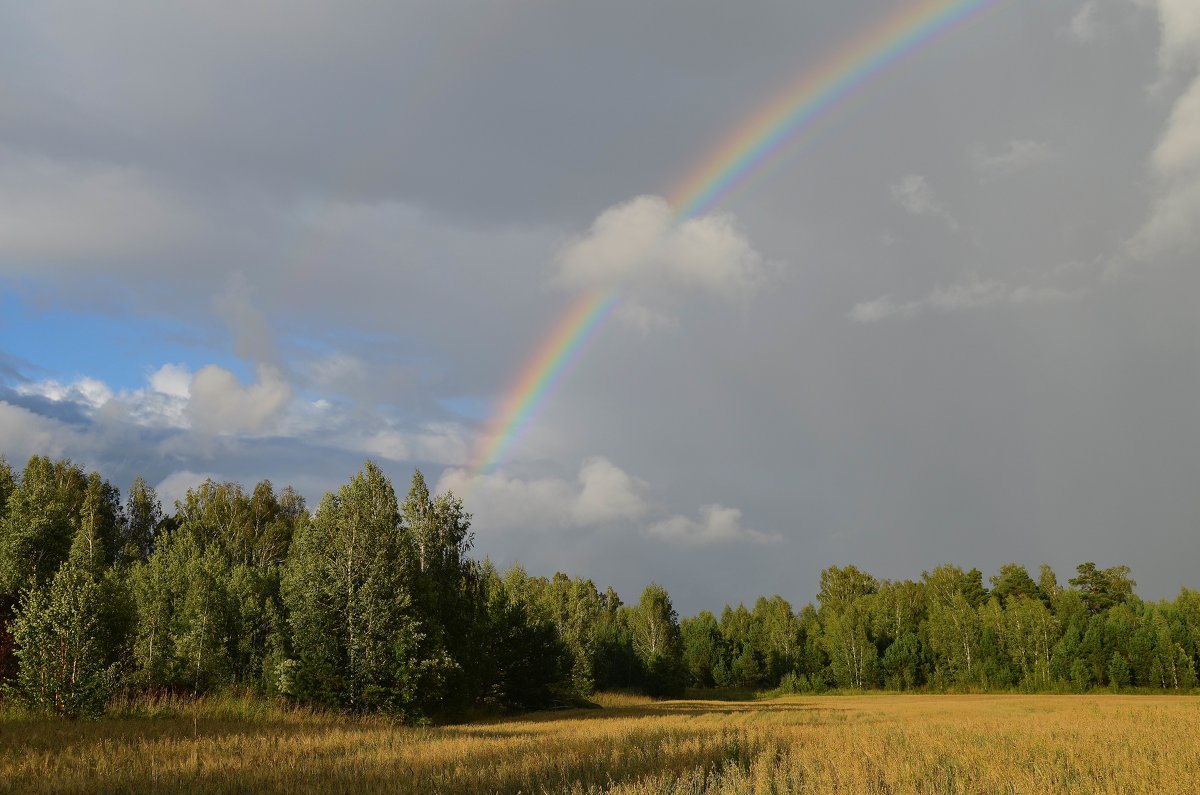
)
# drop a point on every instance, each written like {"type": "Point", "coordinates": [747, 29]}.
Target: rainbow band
{"type": "Point", "coordinates": [744, 152]}
{"type": "Point", "coordinates": [817, 91]}
{"type": "Point", "coordinates": [542, 373]}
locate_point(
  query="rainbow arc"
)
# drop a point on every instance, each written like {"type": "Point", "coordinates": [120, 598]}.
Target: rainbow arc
{"type": "Point", "coordinates": [751, 145]}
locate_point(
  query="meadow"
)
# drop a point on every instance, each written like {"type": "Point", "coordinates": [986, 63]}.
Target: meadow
{"type": "Point", "coordinates": [854, 744]}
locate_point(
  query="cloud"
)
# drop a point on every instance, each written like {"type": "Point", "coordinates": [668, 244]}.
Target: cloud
{"type": "Point", "coordinates": [162, 405]}
{"type": "Point", "coordinates": [963, 296]}
{"type": "Point", "coordinates": [81, 212]}
{"type": "Point", "coordinates": [380, 381]}
{"type": "Point", "coordinates": [1084, 26]}
{"type": "Point", "coordinates": [608, 493]}
{"type": "Point", "coordinates": [641, 244]}
{"type": "Point", "coordinates": [172, 380]}
{"type": "Point", "coordinates": [1178, 151]}
{"type": "Point", "coordinates": [602, 493]}
{"type": "Point", "coordinates": [715, 525]}
{"type": "Point", "coordinates": [1179, 47]}
{"type": "Point", "coordinates": [88, 392]}
{"type": "Point", "coordinates": [1018, 155]}
{"type": "Point", "coordinates": [218, 403]}
{"type": "Point", "coordinates": [168, 401]}
{"type": "Point", "coordinates": [252, 337]}
{"type": "Point", "coordinates": [914, 194]}
{"type": "Point", "coordinates": [434, 442]}
{"type": "Point", "coordinates": [25, 434]}
{"type": "Point", "coordinates": [644, 318]}
{"type": "Point", "coordinates": [212, 401]}
{"type": "Point", "coordinates": [1173, 223]}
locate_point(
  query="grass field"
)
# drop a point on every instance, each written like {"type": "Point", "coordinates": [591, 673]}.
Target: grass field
{"type": "Point", "coordinates": [868, 744]}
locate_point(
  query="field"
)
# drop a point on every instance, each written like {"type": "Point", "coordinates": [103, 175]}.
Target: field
{"type": "Point", "coordinates": [854, 744]}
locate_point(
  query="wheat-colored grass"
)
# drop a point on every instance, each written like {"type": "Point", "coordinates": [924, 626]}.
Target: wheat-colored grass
{"type": "Point", "coordinates": [867, 744]}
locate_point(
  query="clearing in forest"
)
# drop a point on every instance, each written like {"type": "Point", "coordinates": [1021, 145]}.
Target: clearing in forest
{"type": "Point", "coordinates": [894, 743]}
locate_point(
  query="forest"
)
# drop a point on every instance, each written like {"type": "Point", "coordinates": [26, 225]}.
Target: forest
{"type": "Point", "coordinates": [373, 603]}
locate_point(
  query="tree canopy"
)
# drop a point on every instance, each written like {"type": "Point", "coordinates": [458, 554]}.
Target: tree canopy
{"type": "Point", "coordinates": [373, 603]}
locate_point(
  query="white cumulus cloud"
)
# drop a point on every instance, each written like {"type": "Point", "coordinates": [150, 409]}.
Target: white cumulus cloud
{"type": "Point", "coordinates": [436, 442]}
{"type": "Point", "coordinates": [1173, 223]}
{"type": "Point", "coordinates": [716, 524]}
{"type": "Point", "coordinates": [173, 380]}
{"type": "Point", "coordinates": [602, 493]}
{"type": "Point", "coordinates": [85, 391]}
{"type": "Point", "coordinates": [640, 244]}
{"type": "Point", "coordinates": [1179, 21]}
{"type": "Point", "coordinates": [219, 403]}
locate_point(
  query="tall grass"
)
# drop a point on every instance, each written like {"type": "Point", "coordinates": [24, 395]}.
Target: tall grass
{"type": "Point", "coordinates": [870, 744]}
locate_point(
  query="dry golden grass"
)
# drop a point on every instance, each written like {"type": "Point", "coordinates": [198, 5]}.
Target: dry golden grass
{"type": "Point", "coordinates": [867, 744]}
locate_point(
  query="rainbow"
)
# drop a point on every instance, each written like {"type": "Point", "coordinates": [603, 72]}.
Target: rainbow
{"type": "Point", "coordinates": [817, 92]}
{"type": "Point", "coordinates": [744, 152]}
{"type": "Point", "coordinates": [547, 367]}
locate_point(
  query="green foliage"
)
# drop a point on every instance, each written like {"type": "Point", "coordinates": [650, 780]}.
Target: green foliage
{"type": "Point", "coordinates": [8, 484]}
{"type": "Point", "coordinates": [657, 642]}
{"type": "Point", "coordinates": [779, 640]}
{"type": "Point", "coordinates": [348, 587]}
{"type": "Point", "coordinates": [1118, 671]}
{"type": "Point", "coordinates": [448, 602]}
{"type": "Point", "coordinates": [1013, 581]}
{"type": "Point", "coordinates": [1028, 634]}
{"type": "Point", "coordinates": [186, 616]}
{"type": "Point", "coordinates": [39, 523]}
{"type": "Point", "coordinates": [955, 632]}
{"type": "Point", "coordinates": [57, 630]}
{"type": "Point", "coordinates": [524, 658]}
{"type": "Point", "coordinates": [1103, 588]}
{"type": "Point", "coordinates": [375, 605]}
{"type": "Point", "coordinates": [852, 656]}
{"type": "Point", "coordinates": [617, 665]}
{"type": "Point", "coordinates": [144, 514]}
{"type": "Point", "coordinates": [842, 587]}
{"type": "Point", "coordinates": [903, 663]}
{"type": "Point", "coordinates": [702, 648]}
{"type": "Point", "coordinates": [250, 529]}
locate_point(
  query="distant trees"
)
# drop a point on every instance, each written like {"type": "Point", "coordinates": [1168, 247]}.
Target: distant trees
{"type": "Point", "coordinates": [373, 603]}
{"type": "Point", "coordinates": [947, 631]}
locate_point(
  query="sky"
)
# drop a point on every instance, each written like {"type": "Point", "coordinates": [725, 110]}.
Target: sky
{"type": "Point", "coordinates": [953, 320]}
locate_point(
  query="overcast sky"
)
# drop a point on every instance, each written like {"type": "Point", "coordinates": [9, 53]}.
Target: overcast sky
{"type": "Point", "coordinates": [958, 320]}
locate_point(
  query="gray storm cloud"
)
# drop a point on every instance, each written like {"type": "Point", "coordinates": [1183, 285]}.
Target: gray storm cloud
{"type": "Point", "coordinates": [271, 241]}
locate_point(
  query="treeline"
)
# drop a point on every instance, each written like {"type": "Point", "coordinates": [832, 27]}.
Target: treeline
{"type": "Point", "coordinates": [947, 631]}
{"type": "Point", "coordinates": [372, 603]}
